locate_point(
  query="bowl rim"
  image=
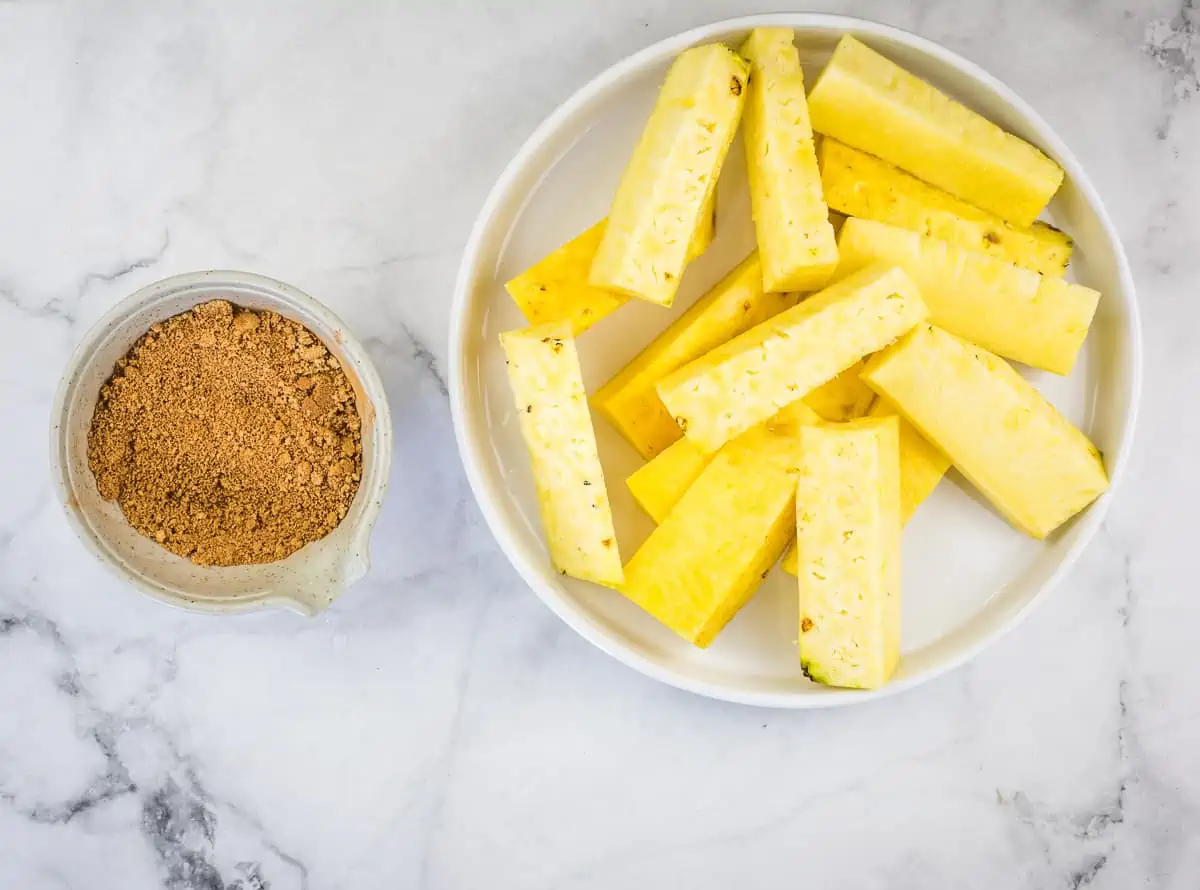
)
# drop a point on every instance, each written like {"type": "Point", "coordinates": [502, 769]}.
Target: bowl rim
{"type": "Point", "coordinates": [473, 459]}
{"type": "Point", "coordinates": [287, 297]}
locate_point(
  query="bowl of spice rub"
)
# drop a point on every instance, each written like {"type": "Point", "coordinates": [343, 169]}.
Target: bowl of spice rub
{"type": "Point", "coordinates": [223, 442]}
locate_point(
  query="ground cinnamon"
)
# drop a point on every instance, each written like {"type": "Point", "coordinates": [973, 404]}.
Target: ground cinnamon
{"type": "Point", "coordinates": [229, 436]}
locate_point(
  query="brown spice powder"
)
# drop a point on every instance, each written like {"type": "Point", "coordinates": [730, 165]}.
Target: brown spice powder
{"type": "Point", "coordinates": [229, 436]}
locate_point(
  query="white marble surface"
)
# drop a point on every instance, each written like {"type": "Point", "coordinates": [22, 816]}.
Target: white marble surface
{"type": "Point", "coordinates": [439, 727]}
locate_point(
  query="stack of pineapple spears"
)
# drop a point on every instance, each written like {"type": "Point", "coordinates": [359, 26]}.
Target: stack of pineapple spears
{"type": "Point", "coordinates": [821, 390]}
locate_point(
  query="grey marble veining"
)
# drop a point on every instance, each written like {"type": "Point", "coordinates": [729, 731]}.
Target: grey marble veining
{"type": "Point", "coordinates": [439, 727]}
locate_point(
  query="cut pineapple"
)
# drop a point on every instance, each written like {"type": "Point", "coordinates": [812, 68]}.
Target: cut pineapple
{"type": "Point", "coordinates": [706, 230]}
{"type": "Point", "coordinates": [848, 547]}
{"type": "Point", "coordinates": [845, 397]}
{"type": "Point", "coordinates": [711, 552]}
{"type": "Point", "coordinates": [556, 287]}
{"type": "Point", "coordinates": [859, 184]}
{"type": "Point", "coordinates": [1016, 313]}
{"type": "Point", "coordinates": [547, 386]}
{"type": "Point", "coordinates": [795, 239]}
{"type": "Point", "coordinates": [922, 467]}
{"type": "Point", "coordinates": [659, 484]}
{"type": "Point", "coordinates": [1000, 432]}
{"type": "Point", "coordinates": [629, 401]}
{"type": "Point", "coordinates": [748, 380]}
{"type": "Point", "coordinates": [866, 101]}
{"type": "Point", "coordinates": [672, 175]}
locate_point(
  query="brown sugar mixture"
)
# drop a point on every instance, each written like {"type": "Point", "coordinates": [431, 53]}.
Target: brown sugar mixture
{"type": "Point", "coordinates": [229, 436]}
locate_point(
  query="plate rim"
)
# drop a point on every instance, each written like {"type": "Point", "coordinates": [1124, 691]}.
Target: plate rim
{"type": "Point", "coordinates": [575, 616]}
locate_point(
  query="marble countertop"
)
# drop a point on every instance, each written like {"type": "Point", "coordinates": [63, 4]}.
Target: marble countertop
{"type": "Point", "coordinates": [439, 727]}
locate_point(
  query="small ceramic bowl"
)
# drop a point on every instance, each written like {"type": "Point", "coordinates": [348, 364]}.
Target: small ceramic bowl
{"type": "Point", "coordinates": [308, 580]}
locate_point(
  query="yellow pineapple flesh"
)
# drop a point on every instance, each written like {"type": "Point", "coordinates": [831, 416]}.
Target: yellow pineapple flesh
{"type": "Point", "coordinates": [859, 184]}
{"type": "Point", "coordinates": [672, 175]}
{"type": "Point", "coordinates": [1036, 319]}
{"type": "Point", "coordinates": [795, 238]}
{"type": "Point", "coordinates": [869, 102]}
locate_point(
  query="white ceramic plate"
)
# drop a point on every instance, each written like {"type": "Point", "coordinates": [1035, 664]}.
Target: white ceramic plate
{"type": "Point", "coordinates": [968, 576]}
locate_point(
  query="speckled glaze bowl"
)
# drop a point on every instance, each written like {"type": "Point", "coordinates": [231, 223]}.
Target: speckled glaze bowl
{"type": "Point", "coordinates": [308, 580]}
